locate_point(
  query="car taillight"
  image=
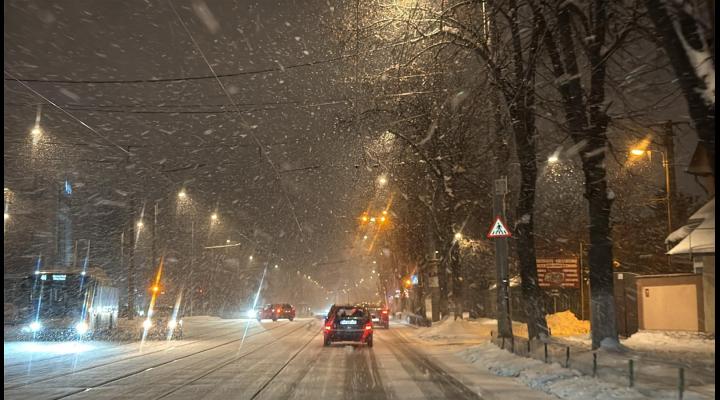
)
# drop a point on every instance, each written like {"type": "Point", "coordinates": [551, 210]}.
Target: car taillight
{"type": "Point", "coordinates": [368, 327]}
{"type": "Point", "coordinates": [384, 311]}
{"type": "Point", "coordinates": [279, 310]}
{"type": "Point", "coordinates": [328, 327]}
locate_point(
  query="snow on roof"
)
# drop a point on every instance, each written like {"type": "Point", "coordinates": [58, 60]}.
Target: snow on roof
{"type": "Point", "coordinates": [679, 234]}
{"type": "Point", "coordinates": [698, 236]}
{"type": "Point", "coordinates": [706, 211]}
{"type": "Point", "coordinates": [700, 240]}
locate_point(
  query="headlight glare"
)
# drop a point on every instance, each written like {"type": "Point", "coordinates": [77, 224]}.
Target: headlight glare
{"type": "Point", "coordinates": [81, 327]}
{"type": "Point", "coordinates": [35, 326]}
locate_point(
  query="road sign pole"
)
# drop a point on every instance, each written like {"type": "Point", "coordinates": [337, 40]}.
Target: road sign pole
{"type": "Point", "coordinates": [501, 263]}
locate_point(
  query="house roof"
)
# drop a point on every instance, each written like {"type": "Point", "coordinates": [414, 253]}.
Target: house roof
{"type": "Point", "coordinates": [699, 235]}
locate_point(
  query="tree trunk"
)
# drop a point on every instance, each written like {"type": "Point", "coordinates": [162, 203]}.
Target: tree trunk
{"type": "Point", "coordinates": [678, 28]}
{"type": "Point", "coordinates": [587, 123]}
{"type": "Point", "coordinates": [521, 109]}
{"type": "Point", "coordinates": [524, 234]}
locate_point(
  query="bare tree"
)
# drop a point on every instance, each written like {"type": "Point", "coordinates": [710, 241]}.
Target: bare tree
{"type": "Point", "coordinates": [685, 43]}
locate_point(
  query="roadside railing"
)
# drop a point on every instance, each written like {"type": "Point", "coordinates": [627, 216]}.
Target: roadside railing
{"type": "Point", "coordinates": [645, 374]}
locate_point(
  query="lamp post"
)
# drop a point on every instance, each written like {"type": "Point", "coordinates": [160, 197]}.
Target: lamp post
{"type": "Point", "coordinates": [666, 168]}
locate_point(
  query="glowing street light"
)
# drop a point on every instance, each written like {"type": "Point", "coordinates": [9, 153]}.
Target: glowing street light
{"type": "Point", "coordinates": [6, 217]}
{"type": "Point", "coordinates": [638, 152]}
{"type": "Point", "coordinates": [276, 266]}
{"type": "Point", "coordinates": [251, 257]}
{"type": "Point", "coordinates": [382, 180]}
{"type": "Point", "coordinates": [553, 159]}
{"type": "Point", "coordinates": [182, 194]}
{"type": "Point", "coordinates": [214, 217]}
{"type": "Point", "coordinates": [458, 236]}
{"type": "Point", "coordinates": [140, 224]}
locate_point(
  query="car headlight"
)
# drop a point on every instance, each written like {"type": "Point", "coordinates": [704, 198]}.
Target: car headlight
{"type": "Point", "coordinates": [251, 313]}
{"type": "Point", "coordinates": [172, 324]}
{"type": "Point", "coordinates": [35, 326]}
{"type": "Point", "coordinates": [147, 324]}
{"type": "Point", "coordinates": [32, 327]}
{"type": "Point", "coordinates": [81, 327]}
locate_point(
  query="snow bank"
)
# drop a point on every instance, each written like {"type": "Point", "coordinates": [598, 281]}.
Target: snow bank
{"type": "Point", "coordinates": [673, 341]}
{"type": "Point", "coordinates": [550, 378]}
{"type": "Point", "coordinates": [564, 323]}
{"type": "Point", "coordinates": [458, 331]}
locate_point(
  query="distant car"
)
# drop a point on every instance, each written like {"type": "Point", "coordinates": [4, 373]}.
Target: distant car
{"type": "Point", "coordinates": [164, 322]}
{"type": "Point", "coordinates": [348, 323]}
{"type": "Point", "coordinates": [380, 315]}
{"type": "Point", "coordinates": [276, 312]}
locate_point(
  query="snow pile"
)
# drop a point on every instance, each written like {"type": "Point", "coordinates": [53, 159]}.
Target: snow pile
{"type": "Point", "coordinates": [564, 323]}
{"type": "Point", "coordinates": [673, 341]}
{"type": "Point", "coordinates": [458, 331]}
{"type": "Point", "coordinates": [550, 378]}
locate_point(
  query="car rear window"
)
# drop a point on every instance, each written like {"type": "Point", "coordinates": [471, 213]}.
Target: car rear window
{"type": "Point", "coordinates": [350, 312]}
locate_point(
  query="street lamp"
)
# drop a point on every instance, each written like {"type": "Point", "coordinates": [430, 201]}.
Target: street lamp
{"type": "Point", "coordinates": [140, 224]}
{"type": "Point", "coordinates": [666, 168]}
{"type": "Point", "coordinates": [553, 159]}
{"type": "Point", "coordinates": [214, 217]}
{"type": "Point", "coordinates": [182, 194]}
{"type": "Point", "coordinates": [458, 236]}
{"type": "Point", "coordinates": [382, 180]}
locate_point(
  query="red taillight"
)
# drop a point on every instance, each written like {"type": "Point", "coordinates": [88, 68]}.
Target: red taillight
{"type": "Point", "coordinates": [368, 327]}
{"type": "Point", "coordinates": [328, 327]}
{"type": "Point", "coordinates": [384, 311]}
{"type": "Point", "coordinates": [279, 310]}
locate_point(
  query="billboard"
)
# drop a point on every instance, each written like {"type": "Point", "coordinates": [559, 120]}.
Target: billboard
{"type": "Point", "coordinates": [558, 273]}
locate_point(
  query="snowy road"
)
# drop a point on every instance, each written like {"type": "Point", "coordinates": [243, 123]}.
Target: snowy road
{"type": "Point", "coordinates": [281, 360]}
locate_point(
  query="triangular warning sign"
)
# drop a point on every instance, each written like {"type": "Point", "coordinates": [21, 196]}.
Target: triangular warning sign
{"type": "Point", "coordinates": [498, 229]}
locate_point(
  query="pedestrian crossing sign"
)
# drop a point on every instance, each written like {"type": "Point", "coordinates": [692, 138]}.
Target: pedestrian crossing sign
{"type": "Point", "coordinates": [498, 229]}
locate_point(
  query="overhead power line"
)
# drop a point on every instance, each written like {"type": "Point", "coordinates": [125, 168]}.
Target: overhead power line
{"type": "Point", "coordinates": [279, 68]}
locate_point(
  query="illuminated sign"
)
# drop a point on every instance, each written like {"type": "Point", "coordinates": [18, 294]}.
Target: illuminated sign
{"type": "Point", "coordinates": [59, 277]}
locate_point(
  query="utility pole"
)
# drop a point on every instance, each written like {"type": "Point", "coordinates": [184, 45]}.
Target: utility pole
{"type": "Point", "coordinates": [131, 266]}
{"type": "Point", "coordinates": [153, 244]}
{"type": "Point", "coordinates": [670, 184]}
{"type": "Point", "coordinates": [501, 264]}
{"type": "Point", "coordinates": [131, 261]}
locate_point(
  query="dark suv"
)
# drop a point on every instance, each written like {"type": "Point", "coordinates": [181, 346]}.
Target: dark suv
{"type": "Point", "coordinates": [347, 323]}
{"type": "Point", "coordinates": [277, 311]}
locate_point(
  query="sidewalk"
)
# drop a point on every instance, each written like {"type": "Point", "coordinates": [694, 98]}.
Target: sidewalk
{"type": "Point", "coordinates": [656, 358]}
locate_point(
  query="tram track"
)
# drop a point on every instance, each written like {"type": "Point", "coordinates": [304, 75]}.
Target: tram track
{"type": "Point", "coordinates": [146, 368]}
{"type": "Point", "coordinates": [191, 340]}
{"type": "Point", "coordinates": [224, 364]}
{"type": "Point", "coordinates": [95, 366]}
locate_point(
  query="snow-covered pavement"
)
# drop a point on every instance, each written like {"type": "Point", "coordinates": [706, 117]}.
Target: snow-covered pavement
{"type": "Point", "coordinates": [656, 356]}
{"type": "Point", "coordinates": [281, 360]}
